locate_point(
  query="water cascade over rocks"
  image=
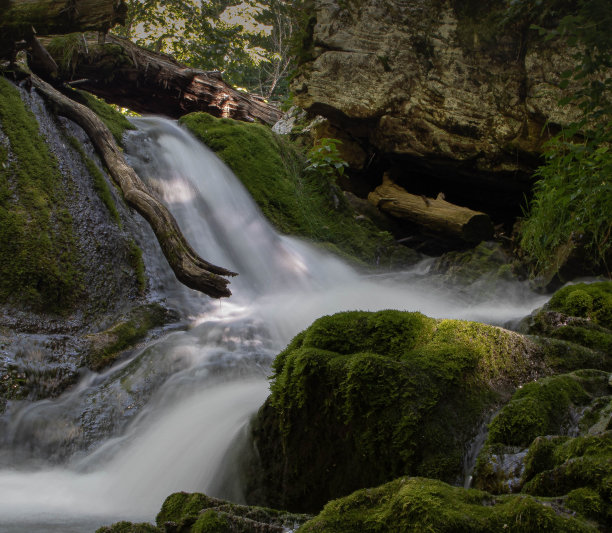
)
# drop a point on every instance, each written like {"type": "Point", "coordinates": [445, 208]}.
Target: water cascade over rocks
{"type": "Point", "coordinates": [167, 419]}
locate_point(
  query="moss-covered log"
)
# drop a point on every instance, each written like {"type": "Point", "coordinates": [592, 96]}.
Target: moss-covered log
{"type": "Point", "coordinates": [150, 82]}
{"type": "Point", "coordinates": [435, 215]}
{"type": "Point", "coordinates": [20, 19]}
{"type": "Point", "coordinates": [188, 267]}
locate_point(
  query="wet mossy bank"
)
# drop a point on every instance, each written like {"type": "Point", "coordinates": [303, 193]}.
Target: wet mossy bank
{"type": "Point", "coordinates": [296, 202]}
{"type": "Point", "coordinates": [70, 261]}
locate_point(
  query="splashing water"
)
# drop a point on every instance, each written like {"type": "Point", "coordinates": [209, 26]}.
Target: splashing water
{"type": "Point", "coordinates": [195, 391]}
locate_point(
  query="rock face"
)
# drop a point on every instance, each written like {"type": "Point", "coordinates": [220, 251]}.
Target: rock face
{"type": "Point", "coordinates": [441, 81]}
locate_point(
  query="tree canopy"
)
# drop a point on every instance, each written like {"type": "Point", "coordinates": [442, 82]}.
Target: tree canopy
{"type": "Point", "coordinates": [247, 40]}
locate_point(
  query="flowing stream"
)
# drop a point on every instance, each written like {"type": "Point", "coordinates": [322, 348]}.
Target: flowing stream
{"type": "Point", "coordinates": [168, 418]}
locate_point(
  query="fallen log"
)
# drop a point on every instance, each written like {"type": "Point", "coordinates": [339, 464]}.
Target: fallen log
{"type": "Point", "coordinates": [151, 82]}
{"type": "Point", "coordinates": [434, 215]}
{"type": "Point", "coordinates": [21, 19]}
{"type": "Point", "coordinates": [187, 265]}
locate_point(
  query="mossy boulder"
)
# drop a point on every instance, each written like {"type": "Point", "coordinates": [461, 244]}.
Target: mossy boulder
{"type": "Point", "coordinates": [578, 469]}
{"type": "Point", "coordinates": [297, 203]}
{"type": "Point", "coordinates": [184, 512]}
{"type": "Point", "coordinates": [560, 405]}
{"type": "Point", "coordinates": [361, 398]}
{"type": "Point", "coordinates": [417, 504]}
{"type": "Point", "coordinates": [106, 346]}
{"type": "Point", "coordinates": [487, 262]}
{"type": "Point", "coordinates": [580, 314]}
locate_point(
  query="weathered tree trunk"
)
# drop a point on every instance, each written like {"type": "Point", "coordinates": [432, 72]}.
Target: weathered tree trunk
{"type": "Point", "coordinates": [150, 82]}
{"type": "Point", "coordinates": [20, 19]}
{"type": "Point", "coordinates": [188, 267]}
{"type": "Point", "coordinates": [433, 215]}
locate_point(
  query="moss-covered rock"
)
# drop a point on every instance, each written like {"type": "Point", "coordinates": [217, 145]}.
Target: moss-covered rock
{"type": "Point", "coordinates": [197, 513]}
{"type": "Point", "coordinates": [360, 398]}
{"type": "Point", "coordinates": [297, 203]}
{"type": "Point", "coordinates": [580, 314]}
{"type": "Point", "coordinates": [416, 504]}
{"type": "Point", "coordinates": [487, 261]}
{"type": "Point", "coordinates": [129, 527]}
{"type": "Point", "coordinates": [578, 468]}
{"type": "Point", "coordinates": [107, 345]}
{"type": "Point", "coordinates": [558, 405]}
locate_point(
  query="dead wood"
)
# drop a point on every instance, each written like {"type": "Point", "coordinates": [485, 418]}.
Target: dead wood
{"type": "Point", "coordinates": [188, 267]}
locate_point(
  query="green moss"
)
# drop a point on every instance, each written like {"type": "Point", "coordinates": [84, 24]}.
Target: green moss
{"type": "Point", "coordinates": [107, 345]}
{"type": "Point", "coordinates": [99, 181]}
{"type": "Point", "coordinates": [539, 408]}
{"type": "Point", "coordinates": [587, 300]}
{"type": "Point", "coordinates": [129, 527]}
{"type": "Point", "coordinates": [416, 504]}
{"type": "Point", "coordinates": [579, 467]}
{"type": "Point", "coordinates": [38, 263]}
{"type": "Point", "coordinates": [580, 314]}
{"type": "Point", "coordinates": [198, 513]}
{"type": "Point", "coordinates": [296, 202]}
{"type": "Point", "coordinates": [115, 121]}
{"type": "Point", "coordinates": [359, 398]}
{"type": "Point", "coordinates": [136, 262]}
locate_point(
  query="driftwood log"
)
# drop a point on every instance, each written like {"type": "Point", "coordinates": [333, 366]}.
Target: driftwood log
{"type": "Point", "coordinates": [188, 267]}
{"type": "Point", "coordinates": [150, 82]}
{"type": "Point", "coordinates": [434, 215]}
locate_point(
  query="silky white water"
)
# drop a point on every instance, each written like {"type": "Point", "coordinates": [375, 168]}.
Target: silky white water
{"type": "Point", "coordinates": [164, 420]}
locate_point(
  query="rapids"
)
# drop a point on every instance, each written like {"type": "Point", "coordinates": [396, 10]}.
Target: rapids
{"type": "Point", "coordinates": [170, 417]}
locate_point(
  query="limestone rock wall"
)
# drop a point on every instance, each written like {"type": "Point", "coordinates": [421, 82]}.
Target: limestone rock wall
{"type": "Point", "coordinates": [434, 79]}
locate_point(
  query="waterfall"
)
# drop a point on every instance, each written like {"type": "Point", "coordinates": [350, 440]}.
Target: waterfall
{"type": "Point", "coordinates": [194, 391]}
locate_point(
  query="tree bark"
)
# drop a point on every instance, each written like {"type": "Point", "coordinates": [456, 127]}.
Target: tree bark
{"type": "Point", "coordinates": [435, 215]}
{"type": "Point", "coordinates": [151, 82]}
{"type": "Point", "coordinates": [20, 19]}
{"type": "Point", "coordinates": [188, 267]}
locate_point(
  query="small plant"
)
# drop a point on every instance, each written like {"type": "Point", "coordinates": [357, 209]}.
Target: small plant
{"type": "Point", "coordinates": [324, 158]}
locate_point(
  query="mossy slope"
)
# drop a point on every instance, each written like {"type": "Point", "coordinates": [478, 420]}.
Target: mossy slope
{"type": "Point", "coordinates": [38, 259]}
{"type": "Point", "coordinates": [297, 203]}
{"type": "Point", "coordinates": [360, 398]}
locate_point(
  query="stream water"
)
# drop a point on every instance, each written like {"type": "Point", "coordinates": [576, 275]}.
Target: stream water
{"type": "Point", "coordinates": [118, 443]}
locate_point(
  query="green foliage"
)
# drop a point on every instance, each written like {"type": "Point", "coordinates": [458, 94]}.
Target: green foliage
{"type": "Point", "coordinates": [325, 160]}
{"type": "Point", "coordinates": [573, 198]}
{"type": "Point", "coordinates": [114, 120]}
{"type": "Point", "coordinates": [359, 398]}
{"type": "Point", "coordinates": [100, 184]}
{"type": "Point", "coordinates": [306, 204]}
{"type": "Point", "coordinates": [38, 259]}
{"type": "Point", "coordinates": [417, 504]}
{"type": "Point", "coordinates": [248, 40]}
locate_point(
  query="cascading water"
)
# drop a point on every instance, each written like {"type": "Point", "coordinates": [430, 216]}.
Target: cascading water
{"type": "Point", "coordinates": [84, 459]}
